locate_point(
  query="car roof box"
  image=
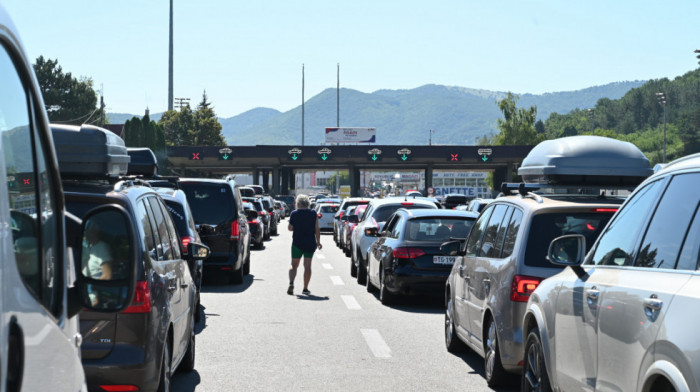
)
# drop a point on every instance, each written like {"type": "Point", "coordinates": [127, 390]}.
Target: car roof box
{"type": "Point", "coordinates": [586, 161]}
{"type": "Point", "coordinates": [143, 162]}
{"type": "Point", "coordinates": [88, 151]}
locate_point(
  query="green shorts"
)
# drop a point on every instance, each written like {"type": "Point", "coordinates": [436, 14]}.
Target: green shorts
{"type": "Point", "coordinates": [297, 253]}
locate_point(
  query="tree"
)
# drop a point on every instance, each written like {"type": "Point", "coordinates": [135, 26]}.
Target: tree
{"type": "Point", "coordinates": [179, 127]}
{"type": "Point", "coordinates": [518, 127]}
{"type": "Point", "coordinates": [207, 126]}
{"type": "Point", "coordinates": [67, 99]}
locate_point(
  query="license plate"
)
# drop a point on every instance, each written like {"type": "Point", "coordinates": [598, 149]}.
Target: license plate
{"type": "Point", "coordinates": [330, 224]}
{"type": "Point", "coordinates": [447, 260]}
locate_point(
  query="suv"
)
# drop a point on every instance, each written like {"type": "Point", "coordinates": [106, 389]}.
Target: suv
{"type": "Point", "coordinates": [222, 224]}
{"type": "Point", "coordinates": [368, 229]}
{"type": "Point", "coordinates": [269, 206]}
{"type": "Point", "coordinates": [39, 329]}
{"type": "Point", "coordinates": [141, 346]}
{"type": "Point", "coordinates": [504, 258]}
{"type": "Point", "coordinates": [630, 302]}
{"type": "Point", "coordinates": [452, 200]}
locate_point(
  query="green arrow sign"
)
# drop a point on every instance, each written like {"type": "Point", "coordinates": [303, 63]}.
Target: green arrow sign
{"type": "Point", "coordinates": [324, 157]}
{"type": "Point", "coordinates": [404, 157]}
{"type": "Point", "coordinates": [225, 156]}
{"type": "Point", "coordinates": [294, 157]}
{"type": "Point", "coordinates": [485, 158]}
{"type": "Point", "coordinates": [374, 157]}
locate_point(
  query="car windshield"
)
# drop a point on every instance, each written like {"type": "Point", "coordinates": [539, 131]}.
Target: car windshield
{"type": "Point", "coordinates": [437, 229]}
{"type": "Point", "coordinates": [382, 213]}
{"type": "Point", "coordinates": [210, 203]}
{"type": "Point", "coordinates": [548, 226]}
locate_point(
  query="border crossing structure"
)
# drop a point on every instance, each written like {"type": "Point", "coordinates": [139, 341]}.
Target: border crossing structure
{"type": "Point", "coordinates": [283, 160]}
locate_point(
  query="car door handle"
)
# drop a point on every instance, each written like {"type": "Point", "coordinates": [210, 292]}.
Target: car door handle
{"type": "Point", "coordinates": [653, 303]}
{"type": "Point", "coordinates": [593, 294]}
{"type": "Point", "coordinates": [172, 285]}
{"type": "Point", "coordinates": [184, 286]}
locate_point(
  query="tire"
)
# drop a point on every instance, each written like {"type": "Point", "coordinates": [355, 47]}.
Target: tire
{"type": "Point", "coordinates": [452, 341]}
{"type": "Point", "coordinates": [385, 297]}
{"type": "Point", "coordinates": [237, 275]}
{"type": "Point", "coordinates": [187, 364]}
{"type": "Point", "coordinates": [353, 267]}
{"type": "Point", "coordinates": [493, 369]}
{"type": "Point", "coordinates": [368, 281]}
{"type": "Point", "coordinates": [535, 377]}
{"type": "Point", "coordinates": [246, 269]}
{"type": "Point", "coordinates": [361, 271]}
{"type": "Point", "coordinates": [166, 371]}
{"type": "Point", "coordinates": [197, 312]}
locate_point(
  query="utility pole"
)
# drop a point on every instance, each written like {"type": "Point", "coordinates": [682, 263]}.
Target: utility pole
{"type": "Point", "coordinates": [170, 61]}
{"type": "Point", "coordinates": [661, 97]}
{"type": "Point", "coordinates": [302, 105]}
{"type": "Point", "coordinates": [337, 123]}
{"type": "Point", "coordinates": [102, 110]}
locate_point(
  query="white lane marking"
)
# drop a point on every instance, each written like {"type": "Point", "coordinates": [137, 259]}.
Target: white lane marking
{"type": "Point", "coordinates": [350, 302]}
{"type": "Point", "coordinates": [376, 343]}
{"type": "Point", "coordinates": [337, 280]}
{"type": "Point", "coordinates": [320, 256]}
{"type": "Point", "coordinates": [327, 266]}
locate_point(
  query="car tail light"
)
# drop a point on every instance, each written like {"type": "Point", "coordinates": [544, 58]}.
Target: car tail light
{"type": "Point", "coordinates": [522, 287]}
{"type": "Point", "coordinates": [320, 216]}
{"type": "Point", "coordinates": [119, 388]}
{"type": "Point", "coordinates": [254, 222]}
{"type": "Point", "coordinates": [604, 210]}
{"type": "Point", "coordinates": [406, 203]}
{"type": "Point", "coordinates": [408, 253]}
{"type": "Point", "coordinates": [235, 230]}
{"type": "Point", "coordinates": [142, 299]}
{"type": "Point", "coordinates": [341, 214]}
{"type": "Point", "coordinates": [186, 241]}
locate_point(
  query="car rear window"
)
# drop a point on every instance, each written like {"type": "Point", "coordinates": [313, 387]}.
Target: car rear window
{"type": "Point", "coordinates": [438, 229]}
{"type": "Point", "coordinates": [211, 204]}
{"type": "Point", "coordinates": [329, 209]}
{"type": "Point", "coordinates": [548, 226]}
{"type": "Point", "coordinates": [382, 213]}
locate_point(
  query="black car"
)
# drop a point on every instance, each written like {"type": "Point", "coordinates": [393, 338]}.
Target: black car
{"type": "Point", "coordinates": [222, 224]}
{"type": "Point", "coordinates": [452, 200]}
{"type": "Point", "coordinates": [255, 226]}
{"type": "Point", "coordinates": [406, 257]}
{"type": "Point", "coordinates": [263, 215]}
{"type": "Point", "coordinates": [181, 214]}
{"type": "Point", "coordinates": [140, 347]}
{"type": "Point", "coordinates": [269, 206]}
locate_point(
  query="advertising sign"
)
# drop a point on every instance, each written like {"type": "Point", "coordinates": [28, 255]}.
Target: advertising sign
{"type": "Point", "coordinates": [351, 135]}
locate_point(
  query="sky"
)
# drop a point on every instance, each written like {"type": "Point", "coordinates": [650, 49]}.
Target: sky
{"type": "Point", "coordinates": [249, 54]}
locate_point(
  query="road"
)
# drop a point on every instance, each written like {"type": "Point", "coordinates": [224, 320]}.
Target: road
{"type": "Point", "coordinates": [255, 337]}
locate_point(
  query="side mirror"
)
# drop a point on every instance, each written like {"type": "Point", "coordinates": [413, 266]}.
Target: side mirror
{"type": "Point", "coordinates": [567, 250]}
{"type": "Point", "coordinates": [353, 219]}
{"type": "Point", "coordinates": [452, 248]}
{"type": "Point", "coordinates": [197, 251]}
{"type": "Point", "coordinates": [106, 261]}
{"type": "Point", "coordinates": [371, 231]}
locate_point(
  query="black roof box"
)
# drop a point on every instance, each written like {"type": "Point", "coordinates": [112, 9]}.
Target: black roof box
{"type": "Point", "coordinates": [586, 161]}
{"type": "Point", "coordinates": [88, 151]}
{"type": "Point", "coordinates": [143, 162]}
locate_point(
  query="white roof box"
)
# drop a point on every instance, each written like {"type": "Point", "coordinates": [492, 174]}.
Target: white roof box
{"type": "Point", "coordinates": [88, 151]}
{"type": "Point", "coordinates": [586, 161]}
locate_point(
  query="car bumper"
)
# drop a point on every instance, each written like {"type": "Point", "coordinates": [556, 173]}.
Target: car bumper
{"type": "Point", "coordinates": [412, 282]}
{"type": "Point", "coordinates": [125, 365]}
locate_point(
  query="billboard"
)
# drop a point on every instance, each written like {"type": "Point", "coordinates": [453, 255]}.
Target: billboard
{"type": "Point", "coordinates": [351, 135]}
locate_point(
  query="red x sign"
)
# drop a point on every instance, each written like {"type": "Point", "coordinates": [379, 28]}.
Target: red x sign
{"type": "Point", "coordinates": [26, 182]}
{"type": "Point", "coordinates": [455, 157]}
{"type": "Point", "coordinates": [195, 155]}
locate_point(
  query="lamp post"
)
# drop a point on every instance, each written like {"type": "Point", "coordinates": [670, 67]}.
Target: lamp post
{"type": "Point", "coordinates": [430, 140]}
{"type": "Point", "coordinates": [661, 97]}
{"type": "Point", "coordinates": [590, 116]}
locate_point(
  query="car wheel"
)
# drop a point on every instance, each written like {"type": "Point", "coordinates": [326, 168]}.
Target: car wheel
{"type": "Point", "coordinates": [493, 369]}
{"type": "Point", "coordinates": [361, 270]}
{"type": "Point", "coordinates": [187, 364]}
{"type": "Point", "coordinates": [166, 371]}
{"type": "Point", "coordinates": [237, 275]}
{"type": "Point", "coordinates": [452, 341]}
{"type": "Point", "coordinates": [385, 296]}
{"type": "Point", "coordinates": [353, 267]}
{"type": "Point", "coordinates": [246, 269]}
{"type": "Point", "coordinates": [534, 378]}
{"type": "Point", "coordinates": [197, 312]}
{"type": "Point", "coordinates": [368, 281]}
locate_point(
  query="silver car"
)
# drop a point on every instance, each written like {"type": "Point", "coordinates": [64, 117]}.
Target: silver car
{"type": "Point", "coordinates": [624, 317]}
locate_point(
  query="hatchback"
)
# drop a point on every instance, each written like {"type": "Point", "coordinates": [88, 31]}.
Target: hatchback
{"type": "Point", "coordinates": [406, 257]}
{"type": "Point", "coordinates": [624, 317]}
{"type": "Point", "coordinates": [325, 213]}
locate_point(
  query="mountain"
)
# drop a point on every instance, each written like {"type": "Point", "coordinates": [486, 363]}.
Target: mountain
{"type": "Point", "coordinates": [457, 115]}
{"type": "Point", "coordinates": [120, 118]}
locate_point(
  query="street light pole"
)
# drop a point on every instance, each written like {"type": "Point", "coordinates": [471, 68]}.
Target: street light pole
{"type": "Point", "coordinates": [661, 97]}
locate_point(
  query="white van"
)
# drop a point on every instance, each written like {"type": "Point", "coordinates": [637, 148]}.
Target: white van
{"type": "Point", "coordinates": [40, 294]}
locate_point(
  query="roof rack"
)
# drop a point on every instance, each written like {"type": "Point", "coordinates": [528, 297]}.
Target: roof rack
{"type": "Point", "coordinates": [129, 181]}
{"type": "Point", "coordinates": [524, 190]}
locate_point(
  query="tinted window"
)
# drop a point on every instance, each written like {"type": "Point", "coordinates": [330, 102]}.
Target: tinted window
{"type": "Point", "coordinates": [161, 227]}
{"type": "Point", "coordinates": [148, 241]}
{"type": "Point", "coordinates": [617, 243]}
{"type": "Point", "coordinates": [211, 204]}
{"type": "Point", "coordinates": [177, 214]}
{"type": "Point", "coordinates": [33, 221]}
{"type": "Point", "coordinates": [437, 229]}
{"type": "Point", "coordinates": [512, 232]}
{"type": "Point", "coordinates": [489, 245]}
{"type": "Point", "coordinates": [472, 246]}
{"type": "Point", "coordinates": [547, 226]}
{"type": "Point", "coordinates": [668, 227]}
{"type": "Point", "coordinates": [329, 209]}
{"type": "Point", "coordinates": [690, 256]}
{"type": "Point", "coordinates": [172, 232]}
